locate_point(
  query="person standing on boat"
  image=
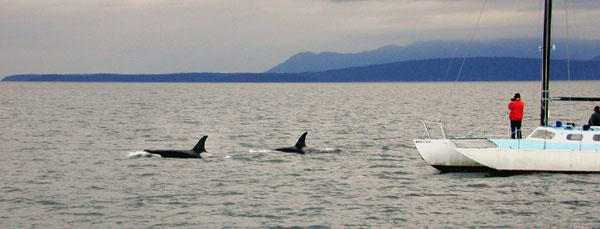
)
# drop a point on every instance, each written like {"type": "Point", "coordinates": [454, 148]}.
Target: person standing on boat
{"type": "Point", "coordinates": [595, 118]}
{"type": "Point", "coordinates": [516, 116]}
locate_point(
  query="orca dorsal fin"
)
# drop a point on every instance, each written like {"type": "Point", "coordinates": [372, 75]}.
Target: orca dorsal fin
{"type": "Point", "coordinates": [301, 140]}
{"type": "Point", "coordinates": [199, 148]}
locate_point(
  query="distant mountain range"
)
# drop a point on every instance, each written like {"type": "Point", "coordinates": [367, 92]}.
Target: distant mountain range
{"type": "Point", "coordinates": [520, 48]}
{"type": "Point", "coordinates": [501, 60]}
{"type": "Point", "coordinates": [474, 69]}
{"type": "Point", "coordinates": [439, 69]}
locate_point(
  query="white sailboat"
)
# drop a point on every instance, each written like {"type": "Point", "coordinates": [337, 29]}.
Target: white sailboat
{"type": "Point", "coordinates": [549, 148]}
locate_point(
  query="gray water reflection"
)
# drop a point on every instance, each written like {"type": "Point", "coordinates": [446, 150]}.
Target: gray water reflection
{"type": "Point", "coordinates": [64, 163]}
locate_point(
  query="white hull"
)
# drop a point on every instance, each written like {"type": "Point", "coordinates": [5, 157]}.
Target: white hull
{"type": "Point", "coordinates": [528, 160]}
{"type": "Point", "coordinates": [442, 155]}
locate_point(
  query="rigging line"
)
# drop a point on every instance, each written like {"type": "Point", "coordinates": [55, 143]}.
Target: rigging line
{"type": "Point", "coordinates": [539, 26]}
{"type": "Point", "coordinates": [466, 52]}
{"type": "Point", "coordinates": [450, 64]}
{"type": "Point", "coordinates": [470, 42]}
{"type": "Point", "coordinates": [567, 46]}
{"type": "Point", "coordinates": [456, 50]}
{"type": "Point", "coordinates": [541, 11]}
{"type": "Point", "coordinates": [539, 32]}
{"type": "Point", "coordinates": [452, 61]}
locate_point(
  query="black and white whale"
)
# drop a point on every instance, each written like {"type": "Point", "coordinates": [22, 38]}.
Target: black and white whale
{"type": "Point", "coordinates": [197, 152]}
{"type": "Point", "coordinates": [301, 147]}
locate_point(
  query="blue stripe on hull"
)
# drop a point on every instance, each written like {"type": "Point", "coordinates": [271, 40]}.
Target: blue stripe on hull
{"type": "Point", "coordinates": [539, 145]}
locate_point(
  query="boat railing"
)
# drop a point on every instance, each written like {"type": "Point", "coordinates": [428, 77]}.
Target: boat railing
{"type": "Point", "coordinates": [492, 132]}
{"type": "Point", "coordinates": [435, 130]}
{"type": "Point", "coordinates": [434, 127]}
{"type": "Point", "coordinates": [481, 131]}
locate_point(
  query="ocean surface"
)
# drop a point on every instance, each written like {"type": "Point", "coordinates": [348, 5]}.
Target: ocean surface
{"type": "Point", "coordinates": [71, 156]}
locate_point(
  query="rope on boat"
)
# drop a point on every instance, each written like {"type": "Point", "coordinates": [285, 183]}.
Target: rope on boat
{"type": "Point", "coordinates": [465, 54]}
{"type": "Point", "coordinates": [466, 51]}
{"type": "Point", "coordinates": [471, 41]}
{"type": "Point", "coordinates": [450, 64]}
{"type": "Point", "coordinates": [567, 44]}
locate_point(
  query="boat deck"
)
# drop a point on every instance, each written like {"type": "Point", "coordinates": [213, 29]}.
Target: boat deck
{"type": "Point", "coordinates": [473, 143]}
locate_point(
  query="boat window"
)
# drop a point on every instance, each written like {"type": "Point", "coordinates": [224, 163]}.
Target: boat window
{"type": "Point", "coordinates": [543, 134]}
{"type": "Point", "coordinates": [576, 137]}
{"type": "Point", "coordinates": [597, 137]}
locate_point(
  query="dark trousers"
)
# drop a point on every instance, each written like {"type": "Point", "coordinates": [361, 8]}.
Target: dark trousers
{"type": "Point", "coordinates": [515, 129]}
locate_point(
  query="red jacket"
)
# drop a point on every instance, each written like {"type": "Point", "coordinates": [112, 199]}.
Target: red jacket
{"type": "Point", "coordinates": [516, 110]}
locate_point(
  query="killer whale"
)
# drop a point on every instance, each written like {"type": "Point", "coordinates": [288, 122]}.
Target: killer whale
{"type": "Point", "coordinates": [299, 148]}
{"type": "Point", "coordinates": [197, 152]}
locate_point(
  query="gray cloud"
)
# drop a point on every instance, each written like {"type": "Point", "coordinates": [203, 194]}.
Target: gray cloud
{"type": "Point", "coordinates": [342, 1]}
{"type": "Point", "coordinates": [158, 36]}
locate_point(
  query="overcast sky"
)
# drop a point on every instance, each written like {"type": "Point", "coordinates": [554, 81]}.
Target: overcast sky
{"type": "Point", "coordinates": [165, 36]}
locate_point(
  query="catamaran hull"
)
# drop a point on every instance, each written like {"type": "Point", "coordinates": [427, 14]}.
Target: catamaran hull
{"type": "Point", "coordinates": [526, 160]}
{"type": "Point", "coordinates": [442, 155]}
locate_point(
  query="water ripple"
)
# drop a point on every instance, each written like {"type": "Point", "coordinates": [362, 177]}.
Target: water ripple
{"type": "Point", "coordinates": [65, 158]}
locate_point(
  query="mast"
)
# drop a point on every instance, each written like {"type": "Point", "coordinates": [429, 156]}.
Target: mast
{"type": "Point", "coordinates": [546, 63]}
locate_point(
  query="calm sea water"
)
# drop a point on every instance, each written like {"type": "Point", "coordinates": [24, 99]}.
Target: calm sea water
{"type": "Point", "coordinates": [68, 157]}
